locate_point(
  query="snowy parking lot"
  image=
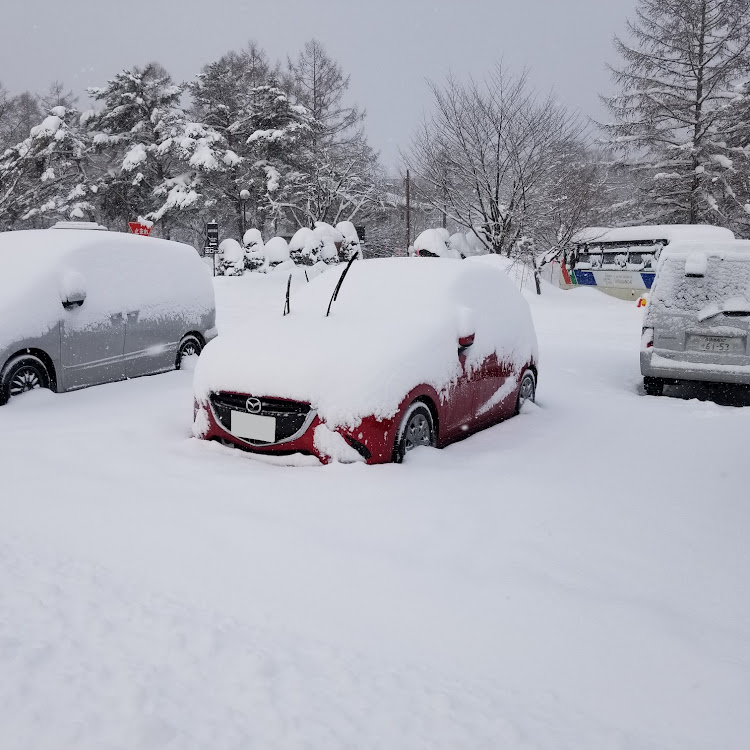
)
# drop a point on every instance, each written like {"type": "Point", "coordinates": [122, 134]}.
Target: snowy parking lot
{"type": "Point", "coordinates": [575, 578]}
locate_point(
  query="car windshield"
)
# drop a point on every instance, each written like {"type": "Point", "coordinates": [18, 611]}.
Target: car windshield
{"type": "Point", "coordinates": [724, 280]}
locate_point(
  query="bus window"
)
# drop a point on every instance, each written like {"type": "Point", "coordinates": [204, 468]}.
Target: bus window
{"type": "Point", "coordinates": [635, 261]}
{"type": "Point", "coordinates": [615, 260]}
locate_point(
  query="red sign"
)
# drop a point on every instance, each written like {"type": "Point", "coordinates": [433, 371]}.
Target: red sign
{"type": "Point", "coordinates": [138, 228]}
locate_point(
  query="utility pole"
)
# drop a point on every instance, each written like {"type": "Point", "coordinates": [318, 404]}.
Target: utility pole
{"type": "Point", "coordinates": [408, 212]}
{"type": "Point", "coordinates": [445, 197]}
{"type": "Point", "coordinates": [244, 198]}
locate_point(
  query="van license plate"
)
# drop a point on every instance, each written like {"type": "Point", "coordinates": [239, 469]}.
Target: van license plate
{"type": "Point", "coordinates": [714, 343]}
{"type": "Point", "coordinates": [253, 427]}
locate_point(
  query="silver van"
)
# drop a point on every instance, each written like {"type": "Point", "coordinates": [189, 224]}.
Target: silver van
{"type": "Point", "coordinates": [697, 320]}
{"type": "Point", "coordinates": [81, 306]}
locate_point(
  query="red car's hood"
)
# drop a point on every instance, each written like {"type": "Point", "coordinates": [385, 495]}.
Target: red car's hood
{"type": "Point", "coordinates": [346, 369]}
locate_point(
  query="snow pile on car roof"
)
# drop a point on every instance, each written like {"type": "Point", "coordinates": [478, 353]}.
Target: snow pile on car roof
{"type": "Point", "coordinates": [735, 249]}
{"type": "Point", "coordinates": [36, 265]}
{"type": "Point", "coordinates": [668, 232]}
{"type": "Point", "coordinates": [395, 325]}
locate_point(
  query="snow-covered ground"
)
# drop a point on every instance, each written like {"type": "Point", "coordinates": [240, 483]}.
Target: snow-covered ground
{"type": "Point", "coordinates": [574, 579]}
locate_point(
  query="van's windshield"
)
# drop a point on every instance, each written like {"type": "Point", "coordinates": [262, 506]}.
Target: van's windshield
{"type": "Point", "coordinates": [724, 280]}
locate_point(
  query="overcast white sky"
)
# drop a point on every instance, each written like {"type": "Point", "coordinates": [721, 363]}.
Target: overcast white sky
{"type": "Point", "coordinates": [389, 47]}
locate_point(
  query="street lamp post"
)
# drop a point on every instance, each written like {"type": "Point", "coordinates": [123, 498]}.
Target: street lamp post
{"type": "Point", "coordinates": [244, 197]}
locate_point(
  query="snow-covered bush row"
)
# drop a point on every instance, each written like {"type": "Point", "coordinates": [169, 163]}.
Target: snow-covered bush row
{"type": "Point", "coordinates": [324, 244]}
{"type": "Point", "coordinates": [440, 243]}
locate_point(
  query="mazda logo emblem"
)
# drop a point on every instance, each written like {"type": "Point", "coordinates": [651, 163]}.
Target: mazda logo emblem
{"type": "Point", "coordinates": [253, 405]}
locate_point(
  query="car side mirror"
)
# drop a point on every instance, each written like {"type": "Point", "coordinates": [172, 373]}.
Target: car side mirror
{"type": "Point", "coordinates": [696, 265]}
{"type": "Point", "coordinates": [464, 342]}
{"type": "Point", "coordinates": [74, 300]}
{"type": "Point", "coordinates": [72, 289]}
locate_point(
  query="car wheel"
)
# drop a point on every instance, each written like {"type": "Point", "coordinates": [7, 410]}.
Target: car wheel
{"type": "Point", "coordinates": [526, 390]}
{"type": "Point", "coordinates": [417, 429]}
{"type": "Point", "coordinates": [22, 374]}
{"type": "Point", "coordinates": [190, 346]}
{"type": "Point", "coordinates": [653, 386]}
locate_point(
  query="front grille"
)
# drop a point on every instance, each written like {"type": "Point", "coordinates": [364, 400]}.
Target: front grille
{"type": "Point", "coordinates": [290, 415]}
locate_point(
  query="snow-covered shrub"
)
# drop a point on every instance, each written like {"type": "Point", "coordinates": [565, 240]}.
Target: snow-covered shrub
{"type": "Point", "coordinates": [459, 243]}
{"type": "Point", "coordinates": [308, 246]}
{"type": "Point", "coordinates": [277, 251]}
{"type": "Point", "coordinates": [351, 243]}
{"type": "Point", "coordinates": [476, 246]}
{"type": "Point", "coordinates": [305, 246]}
{"type": "Point", "coordinates": [329, 253]}
{"type": "Point", "coordinates": [331, 240]}
{"type": "Point", "coordinates": [255, 255]}
{"type": "Point", "coordinates": [435, 243]}
{"type": "Point", "coordinates": [231, 258]}
{"type": "Point", "coordinates": [252, 238]}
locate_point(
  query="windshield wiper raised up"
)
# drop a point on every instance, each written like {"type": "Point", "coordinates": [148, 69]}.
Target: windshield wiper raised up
{"type": "Point", "coordinates": [340, 282]}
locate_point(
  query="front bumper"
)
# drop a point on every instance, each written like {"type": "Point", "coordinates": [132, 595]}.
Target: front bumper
{"type": "Point", "coordinates": [654, 364]}
{"type": "Point", "coordinates": [371, 441]}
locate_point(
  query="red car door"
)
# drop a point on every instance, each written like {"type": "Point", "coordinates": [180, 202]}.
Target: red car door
{"type": "Point", "coordinates": [495, 385]}
{"type": "Point", "coordinates": [457, 413]}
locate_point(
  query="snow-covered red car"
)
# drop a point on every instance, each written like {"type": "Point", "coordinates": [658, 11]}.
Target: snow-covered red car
{"type": "Point", "coordinates": [411, 354]}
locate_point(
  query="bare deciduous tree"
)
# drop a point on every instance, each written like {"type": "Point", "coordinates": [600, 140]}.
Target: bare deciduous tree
{"type": "Point", "coordinates": [494, 156]}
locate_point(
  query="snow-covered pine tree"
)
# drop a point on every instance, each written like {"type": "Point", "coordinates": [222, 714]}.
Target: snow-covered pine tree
{"type": "Point", "coordinates": [141, 174]}
{"type": "Point", "coordinates": [678, 69]}
{"type": "Point", "coordinates": [43, 178]}
{"type": "Point", "coordinates": [222, 89]}
{"type": "Point", "coordinates": [220, 97]}
{"type": "Point", "coordinates": [238, 96]}
{"type": "Point", "coordinates": [276, 132]}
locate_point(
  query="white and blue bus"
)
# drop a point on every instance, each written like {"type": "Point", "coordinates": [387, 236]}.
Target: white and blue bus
{"type": "Point", "coordinates": [622, 261]}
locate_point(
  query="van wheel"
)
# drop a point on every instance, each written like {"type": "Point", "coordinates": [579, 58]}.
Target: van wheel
{"type": "Point", "coordinates": [22, 374]}
{"type": "Point", "coordinates": [417, 428]}
{"type": "Point", "coordinates": [190, 346]}
{"type": "Point", "coordinates": [653, 386]}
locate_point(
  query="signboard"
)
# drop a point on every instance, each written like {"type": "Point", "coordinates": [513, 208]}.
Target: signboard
{"type": "Point", "coordinates": [137, 228]}
{"type": "Point", "coordinates": [608, 279]}
{"type": "Point", "coordinates": [212, 237]}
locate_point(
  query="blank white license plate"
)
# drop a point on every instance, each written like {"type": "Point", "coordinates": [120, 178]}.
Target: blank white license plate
{"type": "Point", "coordinates": [715, 343]}
{"type": "Point", "coordinates": [253, 426]}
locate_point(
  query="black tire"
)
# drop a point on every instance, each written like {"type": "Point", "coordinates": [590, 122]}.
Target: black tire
{"type": "Point", "coordinates": [189, 346]}
{"type": "Point", "coordinates": [417, 428]}
{"type": "Point", "coordinates": [526, 390]}
{"type": "Point", "coordinates": [653, 386]}
{"type": "Point", "coordinates": [22, 374]}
